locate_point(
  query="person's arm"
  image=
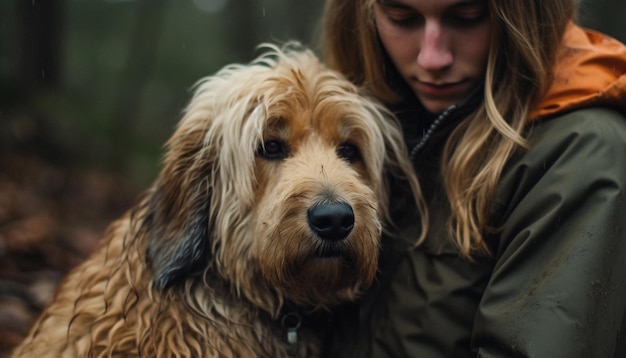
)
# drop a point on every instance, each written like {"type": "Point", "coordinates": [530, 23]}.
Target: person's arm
{"type": "Point", "coordinates": [558, 288]}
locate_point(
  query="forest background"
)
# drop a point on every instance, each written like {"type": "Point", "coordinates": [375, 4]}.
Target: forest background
{"type": "Point", "coordinates": [89, 92]}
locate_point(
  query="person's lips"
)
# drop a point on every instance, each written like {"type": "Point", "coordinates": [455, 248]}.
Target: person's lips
{"type": "Point", "coordinates": [441, 89]}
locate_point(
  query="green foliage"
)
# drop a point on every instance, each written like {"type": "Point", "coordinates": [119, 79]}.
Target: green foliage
{"type": "Point", "coordinates": [127, 68]}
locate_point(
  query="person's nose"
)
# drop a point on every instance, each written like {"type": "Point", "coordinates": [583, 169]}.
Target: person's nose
{"type": "Point", "coordinates": [435, 53]}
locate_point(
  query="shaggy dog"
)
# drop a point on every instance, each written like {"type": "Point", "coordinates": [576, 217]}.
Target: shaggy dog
{"type": "Point", "coordinates": [269, 208]}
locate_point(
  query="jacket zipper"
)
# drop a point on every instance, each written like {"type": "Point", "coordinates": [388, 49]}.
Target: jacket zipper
{"type": "Point", "coordinates": [429, 132]}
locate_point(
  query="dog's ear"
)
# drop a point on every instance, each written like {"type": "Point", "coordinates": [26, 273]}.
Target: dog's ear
{"type": "Point", "coordinates": [176, 220]}
{"type": "Point", "coordinates": [208, 170]}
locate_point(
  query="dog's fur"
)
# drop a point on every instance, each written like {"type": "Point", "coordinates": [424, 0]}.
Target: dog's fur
{"type": "Point", "coordinates": [249, 218]}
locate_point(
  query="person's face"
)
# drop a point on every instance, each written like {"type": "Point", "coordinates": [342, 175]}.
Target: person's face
{"type": "Point", "coordinates": [440, 47]}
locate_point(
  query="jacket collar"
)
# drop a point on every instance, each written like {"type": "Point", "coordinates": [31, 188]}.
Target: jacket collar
{"type": "Point", "coordinates": [590, 71]}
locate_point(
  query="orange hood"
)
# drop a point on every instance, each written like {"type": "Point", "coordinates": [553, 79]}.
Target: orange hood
{"type": "Point", "coordinates": [590, 71]}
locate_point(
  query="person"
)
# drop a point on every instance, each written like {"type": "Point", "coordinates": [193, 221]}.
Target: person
{"type": "Point", "coordinates": [514, 118]}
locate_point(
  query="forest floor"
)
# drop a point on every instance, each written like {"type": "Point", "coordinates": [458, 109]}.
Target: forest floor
{"type": "Point", "coordinates": [51, 218]}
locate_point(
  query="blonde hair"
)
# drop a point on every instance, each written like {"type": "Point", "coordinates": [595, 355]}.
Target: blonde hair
{"type": "Point", "coordinates": [525, 38]}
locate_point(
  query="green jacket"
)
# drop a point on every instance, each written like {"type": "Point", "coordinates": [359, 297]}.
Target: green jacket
{"type": "Point", "coordinates": [555, 285]}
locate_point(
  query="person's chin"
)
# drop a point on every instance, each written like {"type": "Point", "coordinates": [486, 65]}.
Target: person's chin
{"type": "Point", "coordinates": [438, 98]}
{"type": "Point", "coordinates": [435, 106]}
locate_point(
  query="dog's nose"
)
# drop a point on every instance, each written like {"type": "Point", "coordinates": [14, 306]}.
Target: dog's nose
{"type": "Point", "coordinates": [331, 221]}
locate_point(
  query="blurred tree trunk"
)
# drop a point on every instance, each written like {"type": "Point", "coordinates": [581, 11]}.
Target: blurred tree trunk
{"type": "Point", "coordinates": [303, 21]}
{"type": "Point", "coordinates": [141, 55]}
{"type": "Point", "coordinates": [241, 26]}
{"type": "Point", "coordinates": [40, 45]}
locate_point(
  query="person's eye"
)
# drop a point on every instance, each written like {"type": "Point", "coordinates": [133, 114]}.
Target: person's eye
{"type": "Point", "coordinates": [408, 21]}
{"type": "Point", "coordinates": [401, 17]}
{"type": "Point", "coordinates": [468, 16]}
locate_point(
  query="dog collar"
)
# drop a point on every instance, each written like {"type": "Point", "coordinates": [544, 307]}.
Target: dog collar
{"type": "Point", "coordinates": [290, 322]}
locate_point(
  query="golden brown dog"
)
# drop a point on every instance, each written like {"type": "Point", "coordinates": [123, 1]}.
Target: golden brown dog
{"type": "Point", "coordinates": [269, 206]}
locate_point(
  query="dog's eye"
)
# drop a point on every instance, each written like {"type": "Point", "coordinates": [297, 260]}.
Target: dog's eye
{"type": "Point", "coordinates": [349, 152]}
{"type": "Point", "coordinates": [273, 150]}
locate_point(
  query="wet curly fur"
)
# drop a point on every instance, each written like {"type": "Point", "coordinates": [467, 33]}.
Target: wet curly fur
{"type": "Point", "coordinates": [271, 195]}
